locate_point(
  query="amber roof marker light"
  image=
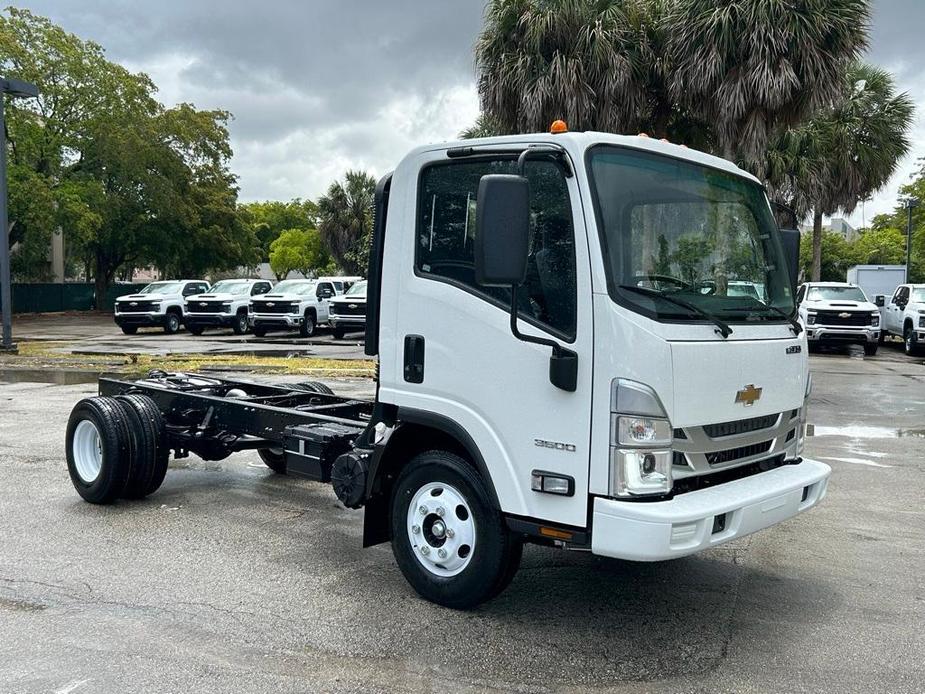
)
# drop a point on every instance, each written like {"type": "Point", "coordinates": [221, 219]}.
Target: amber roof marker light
{"type": "Point", "coordinates": [558, 127]}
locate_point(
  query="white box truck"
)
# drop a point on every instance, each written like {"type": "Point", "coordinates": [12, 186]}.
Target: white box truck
{"type": "Point", "coordinates": [877, 280]}
{"type": "Point", "coordinates": [561, 361]}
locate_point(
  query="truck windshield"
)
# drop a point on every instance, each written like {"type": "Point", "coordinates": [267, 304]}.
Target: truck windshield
{"type": "Point", "coordinates": [231, 287]}
{"type": "Point", "coordinates": [688, 231]}
{"type": "Point", "coordinates": [918, 295]}
{"type": "Point", "coordinates": [358, 288]}
{"type": "Point", "coordinates": [836, 293]}
{"type": "Point", "coordinates": [162, 288]}
{"type": "Point", "coordinates": [294, 287]}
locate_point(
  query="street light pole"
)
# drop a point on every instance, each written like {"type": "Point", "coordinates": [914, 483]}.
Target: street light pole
{"type": "Point", "coordinates": [911, 203]}
{"type": "Point", "coordinates": [16, 88]}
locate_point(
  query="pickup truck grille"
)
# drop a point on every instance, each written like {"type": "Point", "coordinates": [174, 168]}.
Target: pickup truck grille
{"type": "Point", "coordinates": [354, 308]}
{"type": "Point", "coordinates": [856, 318]}
{"type": "Point", "coordinates": [273, 307]}
{"type": "Point", "coordinates": [136, 306]}
{"type": "Point", "coordinates": [740, 426]}
{"type": "Point", "coordinates": [204, 306]}
{"type": "Point", "coordinates": [730, 454]}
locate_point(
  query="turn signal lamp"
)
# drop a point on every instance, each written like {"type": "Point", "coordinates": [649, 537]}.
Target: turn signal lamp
{"type": "Point", "coordinates": [558, 127]}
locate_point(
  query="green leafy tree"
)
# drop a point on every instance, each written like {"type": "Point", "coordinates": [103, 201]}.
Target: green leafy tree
{"type": "Point", "coordinates": [885, 246]}
{"type": "Point", "coordinates": [837, 254]}
{"type": "Point", "coordinates": [345, 216]}
{"type": "Point", "coordinates": [751, 67]}
{"type": "Point", "coordinates": [298, 249]}
{"type": "Point", "coordinates": [270, 218]}
{"type": "Point", "coordinates": [128, 181]}
{"type": "Point", "coordinates": [844, 153]}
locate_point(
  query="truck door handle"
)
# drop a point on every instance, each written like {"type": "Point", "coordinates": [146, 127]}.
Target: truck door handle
{"type": "Point", "coordinates": [414, 358]}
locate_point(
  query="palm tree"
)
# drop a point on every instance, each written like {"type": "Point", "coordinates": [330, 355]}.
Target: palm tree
{"type": "Point", "coordinates": [345, 220]}
{"type": "Point", "coordinates": [752, 67]}
{"type": "Point", "coordinates": [845, 153]}
{"type": "Point", "coordinates": [590, 62]}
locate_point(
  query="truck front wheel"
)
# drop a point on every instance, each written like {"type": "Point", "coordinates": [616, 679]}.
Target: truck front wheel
{"type": "Point", "coordinates": [240, 323]}
{"type": "Point", "coordinates": [172, 323]}
{"type": "Point", "coordinates": [910, 344]}
{"type": "Point", "coordinates": [449, 541]}
{"type": "Point", "coordinates": [307, 329]}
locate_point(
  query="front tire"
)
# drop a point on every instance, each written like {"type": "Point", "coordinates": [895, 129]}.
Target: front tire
{"type": "Point", "coordinates": [910, 343]}
{"type": "Point", "coordinates": [307, 329]}
{"type": "Point", "coordinates": [172, 326]}
{"type": "Point", "coordinates": [195, 329]}
{"type": "Point", "coordinates": [449, 541]}
{"type": "Point", "coordinates": [339, 332]}
{"type": "Point", "coordinates": [240, 324]}
{"type": "Point", "coordinates": [259, 331]}
{"type": "Point", "coordinates": [129, 329]}
{"type": "Point", "coordinates": [870, 349]}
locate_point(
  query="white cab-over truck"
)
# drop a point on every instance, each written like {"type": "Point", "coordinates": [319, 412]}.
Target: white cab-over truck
{"type": "Point", "coordinates": [838, 313]}
{"type": "Point", "coordinates": [904, 316]}
{"type": "Point", "coordinates": [159, 304]}
{"type": "Point", "coordinates": [629, 405]}
{"type": "Point", "coordinates": [225, 305]}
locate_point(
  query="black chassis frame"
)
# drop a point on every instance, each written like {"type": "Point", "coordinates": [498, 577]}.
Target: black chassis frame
{"type": "Point", "coordinates": [215, 417]}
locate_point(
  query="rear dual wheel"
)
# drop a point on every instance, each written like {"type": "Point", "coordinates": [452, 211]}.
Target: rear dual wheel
{"type": "Point", "coordinates": [116, 447]}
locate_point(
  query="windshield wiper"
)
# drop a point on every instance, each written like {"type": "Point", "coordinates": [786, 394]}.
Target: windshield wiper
{"type": "Point", "coordinates": [721, 326]}
{"type": "Point", "coordinates": [794, 323]}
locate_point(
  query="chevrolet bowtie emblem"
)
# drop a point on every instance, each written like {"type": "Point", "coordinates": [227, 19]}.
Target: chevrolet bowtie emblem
{"type": "Point", "coordinates": [352, 306]}
{"type": "Point", "coordinates": [749, 395]}
{"type": "Point", "coordinates": [134, 303]}
{"type": "Point", "coordinates": [844, 314]}
{"type": "Point", "coordinates": [203, 303]}
{"type": "Point", "coordinates": [270, 303]}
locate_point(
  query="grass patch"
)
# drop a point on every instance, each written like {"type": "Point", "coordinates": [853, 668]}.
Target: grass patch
{"type": "Point", "coordinates": [43, 354]}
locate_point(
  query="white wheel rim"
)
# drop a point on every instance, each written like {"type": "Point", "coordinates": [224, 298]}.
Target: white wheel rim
{"type": "Point", "coordinates": [441, 529]}
{"type": "Point", "coordinates": [87, 449]}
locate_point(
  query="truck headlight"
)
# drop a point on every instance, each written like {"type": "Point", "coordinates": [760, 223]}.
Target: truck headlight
{"type": "Point", "coordinates": [922, 321]}
{"type": "Point", "coordinates": [226, 306]}
{"type": "Point", "coordinates": [640, 437]}
{"type": "Point", "coordinates": [810, 319]}
{"type": "Point", "coordinates": [875, 318]}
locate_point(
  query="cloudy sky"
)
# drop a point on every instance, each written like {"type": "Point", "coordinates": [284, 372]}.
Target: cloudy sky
{"type": "Point", "coordinates": [320, 86]}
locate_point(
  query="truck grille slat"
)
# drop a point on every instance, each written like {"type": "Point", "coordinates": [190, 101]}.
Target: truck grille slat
{"type": "Point", "coordinates": [272, 307]}
{"type": "Point", "coordinates": [730, 454]}
{"type": "Point", "coordinates": [855, 318]}
{"type": "Point", "coordinates": [740, 426]}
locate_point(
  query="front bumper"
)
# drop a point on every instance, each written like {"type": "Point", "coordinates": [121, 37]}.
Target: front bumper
{"type": "Point", "coordinates": [286, 320]}
{"type": "Point", "coordinates": [659, 530]}
{"type": "Point", "coordinates": [153, 319]}
{"type": "Point", "coordinates": [824, 333]}
{"type": "Point", "coordinates": [223, 320]}
{"type": "Point", "coordinates": [358, 322]}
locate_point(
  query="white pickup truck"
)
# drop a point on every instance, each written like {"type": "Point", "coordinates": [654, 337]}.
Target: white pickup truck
{"type": "Point", "coordinates": [293, 304]}
{"type": "Point", "coordinates": [838, 313]}
{"type": "Point", "coordinates": [904, 316]}
{"type": "Point", "coordinates": [224, 306]}
{"type": "Point", "coordinates": [158, 304]}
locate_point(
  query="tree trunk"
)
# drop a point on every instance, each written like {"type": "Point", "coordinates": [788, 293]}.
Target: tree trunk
{"type": "Point", "coordinates": [817, 246]}
{"type": "Point", "coordinates": [101, 277]}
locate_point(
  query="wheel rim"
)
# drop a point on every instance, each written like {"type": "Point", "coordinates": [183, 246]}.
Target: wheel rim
{"type": "Point", "coordinates": [242, 323]}
{"type": "Point", "coordinates": [908, 341]}
{"type": "Point", "coordinates": [309, 325]}
{"type": "Point", "coordinates": [441, 530]}
{"type": "Point", "coordinates": [87, 449]}
{"type": "Point", "coordinates": [174, 323]}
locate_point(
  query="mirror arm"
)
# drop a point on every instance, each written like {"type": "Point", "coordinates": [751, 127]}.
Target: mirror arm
{"type": "Point", "coordinates": [563, 364]}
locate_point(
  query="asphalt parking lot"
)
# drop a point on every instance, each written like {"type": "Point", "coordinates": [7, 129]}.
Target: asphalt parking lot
{"type": "Point", "coordinates": [231, 578]}
{"type": "Point", "coordinates": [96, 333]}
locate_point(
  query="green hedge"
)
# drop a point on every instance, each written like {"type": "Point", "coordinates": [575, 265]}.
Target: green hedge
{"type": "Point", "coordinates": [73, 296]}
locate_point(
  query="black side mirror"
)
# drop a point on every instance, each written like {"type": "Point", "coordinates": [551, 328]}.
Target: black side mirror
{"type": "Point", "coordinates": [790, 240]}
{"type": "Point", "coordinates": [879, 300]}
{"type": "Point", "coordinates": [502, 230]}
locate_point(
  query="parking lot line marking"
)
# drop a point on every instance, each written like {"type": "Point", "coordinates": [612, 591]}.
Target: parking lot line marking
{"type": "Point", "coordinates": [856, 461]}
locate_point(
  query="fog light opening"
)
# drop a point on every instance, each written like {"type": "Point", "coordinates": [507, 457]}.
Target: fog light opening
{"type": "Point", "coordinates": [719, 523]}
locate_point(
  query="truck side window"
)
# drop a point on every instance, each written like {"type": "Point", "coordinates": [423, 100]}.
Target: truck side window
{"type": "Point", "coordinates": [446, 232]}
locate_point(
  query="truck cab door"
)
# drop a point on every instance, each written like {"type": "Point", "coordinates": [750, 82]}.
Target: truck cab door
{"type": "Point", "coordinates": [451, 354]}
{"type": "Point", "coordinates": [894, 312]}
{"type": "Point", "coordinates": [324, 293]}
